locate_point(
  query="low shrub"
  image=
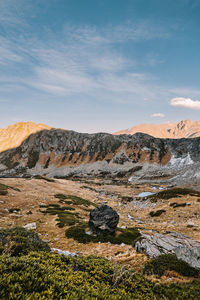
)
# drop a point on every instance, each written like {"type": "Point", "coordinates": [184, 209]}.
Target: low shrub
{"type": "Point", "coordinates": [50, 276]}
{"type": "Point", "coordinates": [157, 213]}
{"type": "Point", "coordinates": [169, 262]}
{"type": "Point", "coordinates": [44, 178]}
{"type": "Point", "coordinates": [127, 236]}
{"type": "Point", "coordinates": [19, 241]}
{"type": "Point", "coordinates": [175, 204]}
{"type": "Point", "coordinates": [4, 189]}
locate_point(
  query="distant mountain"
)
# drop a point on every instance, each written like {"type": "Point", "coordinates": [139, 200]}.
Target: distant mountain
{"type": "Point", "coordinates": [182, 129]}
{"type": "Point", "coordinates": [14, 135]}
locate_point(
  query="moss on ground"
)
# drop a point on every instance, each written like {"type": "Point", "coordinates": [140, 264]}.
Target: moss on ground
{"type": "Point", "coordinates": [64, 216]}
{"type": "Point", "coordinates": [74, 200]}
{"type": "Point", "coordinates": [127, 236]}
{"type": "Point", "coordinates": [169, 262]}
{"type": "Point", "coordinates": [173, 193]}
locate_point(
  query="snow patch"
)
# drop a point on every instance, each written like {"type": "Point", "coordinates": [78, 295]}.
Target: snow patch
{"type": "Point", "coordinates": [181, 161]}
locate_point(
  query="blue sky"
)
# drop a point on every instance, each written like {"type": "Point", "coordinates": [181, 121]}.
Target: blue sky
{"type": "Point", "coordinates": [99, 65]}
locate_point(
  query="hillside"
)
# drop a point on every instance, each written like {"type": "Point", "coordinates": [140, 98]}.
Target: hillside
{"type": "Point", "coordinates": [14, 135]}
{"type": "Point", "coordinates": [182, 129]}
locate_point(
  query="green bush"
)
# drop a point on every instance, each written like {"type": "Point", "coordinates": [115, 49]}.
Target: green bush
{"type": "Point", "coordinates": [19, 241]}
{"type": "Point", "coordinates": [169, 262]}
{"type": "Point", "coordinates": [127, 236]}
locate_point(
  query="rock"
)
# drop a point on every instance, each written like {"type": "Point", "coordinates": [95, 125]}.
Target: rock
{"type": "Point", "coordinates": [157, 244]}
{"type": "Point", "coordinates": [30, 226]}
{"type": "Point", "coordinates": [189, 255]}
{"type": "Point", "coordinates": [130, 217]}
{"type": "Point", "coordinates": [59, 251]}
{"type": "Point", "coordinates": [29, 212]}
{"type": "Point", "coordinates": [103, 220]}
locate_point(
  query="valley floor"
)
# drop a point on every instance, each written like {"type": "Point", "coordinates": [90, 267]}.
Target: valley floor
{"type": "Point", "coordinates": [18, 208]}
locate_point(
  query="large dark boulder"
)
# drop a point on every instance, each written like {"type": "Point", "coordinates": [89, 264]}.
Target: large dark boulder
{"type": "Point", "coordinates": [103, 220]}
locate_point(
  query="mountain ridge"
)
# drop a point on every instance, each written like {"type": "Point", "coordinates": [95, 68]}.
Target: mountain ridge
{"type": "Point", "coordinates": [173, 130]}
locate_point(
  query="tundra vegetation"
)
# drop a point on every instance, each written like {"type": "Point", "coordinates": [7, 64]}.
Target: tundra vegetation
{"type": "Point", "coordinates": [28, 270]}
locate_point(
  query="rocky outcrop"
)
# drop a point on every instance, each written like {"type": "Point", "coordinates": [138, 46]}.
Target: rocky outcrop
{"type": "Point", "coordinates": [103, 220]}
{"type": "Point", "coordinates": [190, 255]}
{"type": "Point", "coordinates": [157, 244]}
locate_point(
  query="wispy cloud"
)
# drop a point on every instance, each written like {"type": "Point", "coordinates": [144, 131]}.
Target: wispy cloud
{"type": "Point", "coordinates": [81, 61]}
{"type": "Point", "coordinates": [158, 115]}
{"type": "Point", "coordinates": [185, 102]}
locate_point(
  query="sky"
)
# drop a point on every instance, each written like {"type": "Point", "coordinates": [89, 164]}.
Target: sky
{"type": "Point", "coordinates": [99, 65]}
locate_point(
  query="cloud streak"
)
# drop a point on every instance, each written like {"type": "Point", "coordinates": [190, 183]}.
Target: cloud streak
{"type": "Point", "coordinates": [186, 103]}
{"type": "Point", "coordinates": [158, 115]}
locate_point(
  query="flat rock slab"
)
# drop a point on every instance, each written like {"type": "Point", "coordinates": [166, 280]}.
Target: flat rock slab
{"type": "Point", "coordinates": [189, 255]}
{"type": "Point", "coordinates": [157, 244]}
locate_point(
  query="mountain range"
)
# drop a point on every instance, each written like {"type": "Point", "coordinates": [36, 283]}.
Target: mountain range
{"type": "Point", "coordinates": [14, 135]}
{"type": "Point", "coordinates": [64, 153]}
{"type": "Point", "coordinates": [182, 129]}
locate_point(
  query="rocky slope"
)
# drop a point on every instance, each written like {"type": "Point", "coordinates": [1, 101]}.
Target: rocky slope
{"type": "Point", "coordinates": [14, 135]}
{"type": "Point", "coordinates": [64, 153]}
{"type": "Point", "coordinates": [182, 129]}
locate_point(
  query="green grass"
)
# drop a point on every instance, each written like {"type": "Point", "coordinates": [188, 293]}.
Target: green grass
{"type": "Point", "coordinates": [127, 236]}
{"type": "Point", "coordinates": [173, 193]}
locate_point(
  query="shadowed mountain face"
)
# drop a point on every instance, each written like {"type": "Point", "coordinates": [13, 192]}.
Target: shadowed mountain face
{"type": "Point", "coordinates": [182, 129]}
{"type": "Point", "coordinates": [14, 135]}
{"type": "Point", "coordinates": [64, 153]}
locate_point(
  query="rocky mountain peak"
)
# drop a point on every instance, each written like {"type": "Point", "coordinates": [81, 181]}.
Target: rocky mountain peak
{"type": "Point", "coordinates": [15, 134]}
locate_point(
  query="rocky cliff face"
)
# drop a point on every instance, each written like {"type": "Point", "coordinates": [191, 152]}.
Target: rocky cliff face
{"type": "Point", "coordinates": [14, 135]}
{"type": "Point", "coordinates": [63, 153]}
{"type": "Point", "coordinates": [182, 129]}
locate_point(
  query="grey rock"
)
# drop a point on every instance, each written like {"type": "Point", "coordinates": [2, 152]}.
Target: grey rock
{"type": "Point", "coordinates": [103, 220]}
{"type": "Point", "coordinates": [157, 244]}
{"type": "Point", "coordinates": [66, 253]}
{"type": "Point", "coordinates": [189, 255]}
{"type": "Point", "coordinates": [30, 226]}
